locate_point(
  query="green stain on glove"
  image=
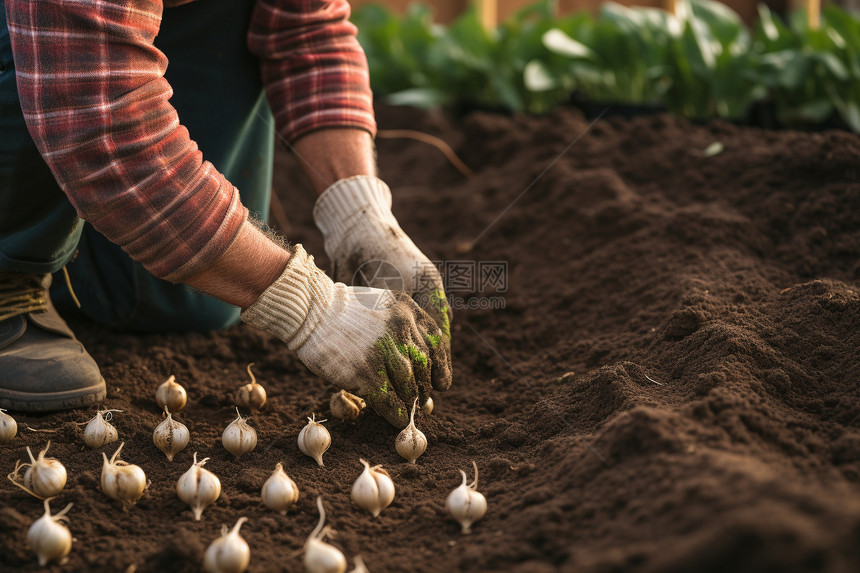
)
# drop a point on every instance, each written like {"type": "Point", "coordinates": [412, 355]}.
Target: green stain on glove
{"type": "Point", "coordinates": [398, 373]}
{"type": "Point", "coordinates": [434, 339]}
{"type": "Point", "coordinates": [439, 302]}
{"type": "Point", "coordinates": [412, 352]}
{"type": "Point", "coordinates": [383, 389]}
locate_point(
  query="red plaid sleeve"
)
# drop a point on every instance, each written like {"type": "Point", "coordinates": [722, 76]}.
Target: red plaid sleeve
{"type": "Point", "coordinates": [96, 104]}
{"type": "Point", "coordinates": [314, 69]}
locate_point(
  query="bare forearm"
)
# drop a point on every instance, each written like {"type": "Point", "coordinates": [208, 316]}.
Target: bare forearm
{"type": "Point", "coordinates": [245, 270]}
{"type": "Point", "coordinates": [328, 155]}
{"type": "Point", "coordinates": [254, 261]}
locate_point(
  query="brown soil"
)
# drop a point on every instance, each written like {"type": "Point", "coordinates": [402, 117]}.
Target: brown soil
{"type": "Point", "coordinates": [672, 384]}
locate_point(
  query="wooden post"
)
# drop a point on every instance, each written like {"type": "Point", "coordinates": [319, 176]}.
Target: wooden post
{"type": "Point", "coordinates": [671, 6]}
{"type": "Point", "coordinates": [488, 12]}
{"type": "Point", "coordinates": [813, 14]}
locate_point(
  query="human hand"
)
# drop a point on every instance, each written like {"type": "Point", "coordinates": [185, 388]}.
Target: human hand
{"type": "Point", "coordinates": [367, 246]}
{"type": "Point", "coordinates": [374, 343]}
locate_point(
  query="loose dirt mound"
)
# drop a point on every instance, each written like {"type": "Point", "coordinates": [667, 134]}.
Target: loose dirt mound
{"type": "Point", "coordinates": [671, 386]}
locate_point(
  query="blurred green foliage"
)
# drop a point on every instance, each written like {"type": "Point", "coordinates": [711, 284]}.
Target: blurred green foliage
{"type": "Point", "coordinates": [703, 62]}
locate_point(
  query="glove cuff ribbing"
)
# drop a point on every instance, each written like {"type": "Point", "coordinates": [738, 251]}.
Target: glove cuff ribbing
{"type": "Point", "coordinates": [284, 307]}
{"type": "Point", "coordinates": [347, 202]}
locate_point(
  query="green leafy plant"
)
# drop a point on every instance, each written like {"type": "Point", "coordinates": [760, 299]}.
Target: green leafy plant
{"type": "Point", "coordinates": [811, 74]}
{"type": "Point", "coordinates": [701, 62]}
{"type": "Point", "coordinates": [712, 68]}
{"type": "Point", "coordinates": [619, 58]}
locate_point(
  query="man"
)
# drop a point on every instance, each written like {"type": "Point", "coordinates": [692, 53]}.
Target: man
{"type": "Point", "coordinates": [163, 164]}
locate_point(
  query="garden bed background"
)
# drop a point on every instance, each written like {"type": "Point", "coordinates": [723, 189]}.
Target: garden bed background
{"type": "Point", "coordinates": [671, 386]}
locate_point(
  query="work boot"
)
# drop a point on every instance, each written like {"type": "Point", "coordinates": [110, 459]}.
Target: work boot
{"type": "Point", "coordinates": [43, 367]}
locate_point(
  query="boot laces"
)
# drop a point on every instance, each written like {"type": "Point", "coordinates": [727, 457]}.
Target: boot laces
{"type": "Point", "coordinates": [21, 293]}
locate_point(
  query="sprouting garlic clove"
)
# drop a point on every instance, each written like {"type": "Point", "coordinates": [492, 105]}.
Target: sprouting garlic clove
{"type": "Point", "coordinates": [8, 427]}
{"type": "Point", "coordinates": [465, 504]}
{"type": "Point", "coordinates": [170, 436]}
{"type": "Point", "coordinates": [99, 431]}
{"type": "Point", "coordinates": [411, 442]}
{"type": "Point", "coordinates": [314, 439]}
{"type": "Point", "coordinates": [229, 553]}
{"type": "Point", "coordinates": [252, 395]}
{"type": "Point", "coordinates": [320, 557]}
{"type": "Point", "coordinates": [345, 406]}
{"type": "Point", "coordinates": [171, 394]}
{"type": "Point", "coordinates": [280, 493]}
{"type": "Point", "coordinates": [360, 567]}
{"type": "Point", "coordinates": [373, 491]}
{"type": "Point", "coordinates": [43, 478]}
{"type": "Point", "coordinates": [427, 408]}
{"type": "Point", "coordinates": [198, 487]}
{"type": "Point", "coordinates": [49, 539]}
{"type": "Point", "coordinates": [238, 437]}
{"type": "Point", "coordinates": [121, 480]}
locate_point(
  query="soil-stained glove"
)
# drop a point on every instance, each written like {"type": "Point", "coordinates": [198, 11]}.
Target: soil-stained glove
{"type": "Point", "coordinates": [367, 246]}
{"type": "Point", "coordinates": [375, 343]}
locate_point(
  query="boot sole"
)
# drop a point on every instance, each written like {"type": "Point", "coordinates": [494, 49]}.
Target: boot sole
{"type": "Point", "coordinates": [15, 401]}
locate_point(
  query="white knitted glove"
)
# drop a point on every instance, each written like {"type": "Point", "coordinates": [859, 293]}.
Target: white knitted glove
{"type": "Point", "coordinates": [361, 236]}
{"type": "Point", "coordinates": [374, 343]}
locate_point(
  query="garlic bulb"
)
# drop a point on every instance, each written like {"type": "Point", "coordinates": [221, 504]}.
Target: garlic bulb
{"type": "Point", "coordinates": [239, 438]}
{"type": "Point", "coordinates": [373, 490]}
{"type": "Point", "coordinates": [121, 480]}
{"type": "Point", "coordinates": [99, 430]}
{"type": "Point", "coordinates": [170, 436]}
{"type": "Point", "coordinates": [49, 539]}
{"type": "Point", "coordinates": [345, 406]}
{"type": "Point", "coordinates": [251, 396]}
{"type": "Point", "coordinates": [229, 553]}
{"type": "Point", "coordinates": [45, 477]}
{"type": "Point", "coordinates": [360, 567]}
{"type": "Point", "coordinates": [427, 408]}
{"type": "Point", "coordinates": [411, 442]}
{"type": "Point", "coordinates": [320, 557]}
{"type": "Point", "coordinates": [279, 492]}
{"type": "Point", "coordinates": [466, 504]}
{"type": "Point", "coordinates": [8, 427]}
{"type": "Point", "coordinates": [198, 487]}
{"type": "Point", "coordinates": [314, 439]}
{"type": "Point", "coordinates": [171, 394]}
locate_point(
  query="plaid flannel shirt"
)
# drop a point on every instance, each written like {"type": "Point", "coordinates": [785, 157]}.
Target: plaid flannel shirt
{"type": "Point", "coordinates": [96, 103]}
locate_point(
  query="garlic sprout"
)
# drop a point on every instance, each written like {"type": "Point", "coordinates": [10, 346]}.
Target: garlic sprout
{"type": "Point", "coordinates": [411, 442]}
{"type": "Point", "coordinates": [170, 436]}
{"type": "Point", "coordinates": [8, 427]}
{"type": "Point", "coordinates": [252, 395]}
{"type": "Point", "coordinates": [239, 438]}
{"type": "Point", "coordinates": [171, 394]}
{"type": "Point", "coordinates": [198, 487]}
{"type": "Point", "coordinates": [45, 477]}
{"type": "Point", "coordinates": [320, 557]}
{"type": "Point", "coordinates": [229, 553]}
{"type": "Point", "coordinates": [373, 490]}
{"type": "Point", "coordinates": [360, 567]}
{"type": "Point", "coordinates": [314, 439]}
{"type": "Point", "coordinates": [465, 504]}
{"type": "Point", "coordinates": [121, 480]}
{"type": "Point", "coordinates": [427, 408]}
{"type": "Point", "coordinates": [280, 493]}
{"type": "Point", "coordinates": [99, 430]}
{"type": "Point", "coordinates": [345, 406]}
{"type": "Point", "coordinates": [49, 539]}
